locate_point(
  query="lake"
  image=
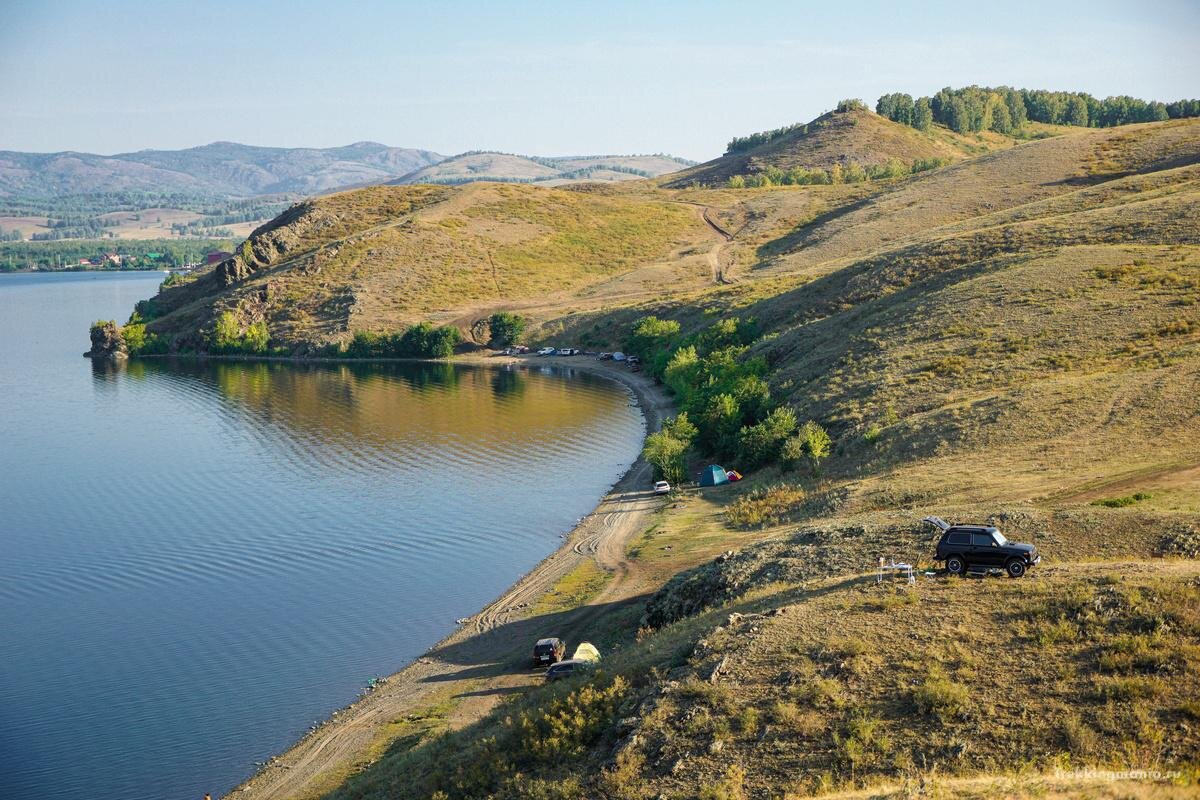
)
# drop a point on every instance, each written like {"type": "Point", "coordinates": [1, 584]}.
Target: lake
{"type": "Point", "coordinates": [201, 559]}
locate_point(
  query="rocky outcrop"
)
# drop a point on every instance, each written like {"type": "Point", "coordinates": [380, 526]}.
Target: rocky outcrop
{"type": "Point", "coordinates": [107, 341]}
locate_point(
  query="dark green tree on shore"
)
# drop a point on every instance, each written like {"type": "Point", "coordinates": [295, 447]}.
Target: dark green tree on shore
{"type": "Point", "coordinates": [506, 328]}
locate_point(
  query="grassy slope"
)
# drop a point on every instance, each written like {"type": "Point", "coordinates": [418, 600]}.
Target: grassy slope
{"type": "Point", "coordinates": [1022, 328]}
{"type": "Point", "coordinates": [383, 257]}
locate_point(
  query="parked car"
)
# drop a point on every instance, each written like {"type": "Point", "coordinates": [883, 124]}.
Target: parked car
{"type": "Point", "coordinates": [568, 351]}
{"type": "Point", "coordinates": [634, 359]}
{"type": "Point", "coordinates": [662, 487]}
{"type": "Point", "coordinates": [548, 651]}
{"type": "Point", "coordinates": [565, 669]}
{"type": "Point", "coordinates": [546, 351]}
{"type": "Point", "coordinates": [605, 357]}
{"type": "Point", "coordinates": [966, 546]}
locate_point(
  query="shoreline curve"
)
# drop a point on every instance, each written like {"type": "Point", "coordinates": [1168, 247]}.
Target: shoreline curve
{"type": "Point", "coordinates": [341, 743]}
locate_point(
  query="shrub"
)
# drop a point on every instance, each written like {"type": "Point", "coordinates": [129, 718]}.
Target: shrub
{"type": "Point", "coordinates": [761, 443]}
{"type": "Point", "coordinates": [822, 693]}
{"type": "Point", "coordinates": [228, 338]}
{"type": "Point", "coordinates": [506, 328]}
{"type": "Point", "coordinates": [731, 786]}
{"type": "Point", "coordinates": [565, 727]}
{"type": "Point", "coordinates": [811, 443]}
{"type": "Point", "coordinates": [367, 345]}
{"type": "Point", "coordinates": [764, 506]}
{"type": "Point", "coordinates": [941, 697]}
{"type": "Point", "coordinates": [426, 341]}
{"type": "Point", "coordinates": [803, 722]}
{"type": "Point", "coordinates": [859, 743]}
{"type": "Point", "coordinates": [142, 342]}
{"type": "Point", "coordinates": [1122, 502]}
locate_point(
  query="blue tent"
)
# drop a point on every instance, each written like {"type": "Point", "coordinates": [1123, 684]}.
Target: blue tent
{"type": "Point", "coordinates": [713, 476]}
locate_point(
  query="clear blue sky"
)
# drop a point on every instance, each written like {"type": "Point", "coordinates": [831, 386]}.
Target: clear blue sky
{"type": "Point", "coordinates": [544, 78]}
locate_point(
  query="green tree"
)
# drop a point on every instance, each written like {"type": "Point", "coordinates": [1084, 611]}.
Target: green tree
{"type": "Point", "coordinates": [681, 428]}
{"type": "Point", "coordinates": [667, 455]}
{"type": "Point", "coordinates": [719, 425]}
{"type": "Point", "coordinates": [922, 115]}
{"type": "Point", "coordinates": [1077, 111]}
{"type": "Point", "coordinates": [957, 118]}
{"type": "Point", "coordinates": [227, 334]}
{"type": "Point", "coordinates": [506, 328]}
{"type": "Point", "coordinates": [1000, 119]}
{"type": "Point", "coordinates": [255, 339]}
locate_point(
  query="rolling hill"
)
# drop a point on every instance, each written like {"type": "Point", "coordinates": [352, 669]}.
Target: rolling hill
{"type": "Point", "coordinates": [1014, 338]}
{"type": "Point", "coordinates": [506, 167]}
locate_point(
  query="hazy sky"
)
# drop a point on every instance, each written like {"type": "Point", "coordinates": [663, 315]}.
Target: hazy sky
{"type": "Point", "coordinates": [543, 78]}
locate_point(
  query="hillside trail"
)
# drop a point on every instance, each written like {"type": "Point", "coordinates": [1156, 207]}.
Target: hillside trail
{"type": "Point", "coordinates": [485, 659]}
{"type": "Point", "coordinates": [705, 213]}
{"type": "Point", "coordinates": [1156, 478]}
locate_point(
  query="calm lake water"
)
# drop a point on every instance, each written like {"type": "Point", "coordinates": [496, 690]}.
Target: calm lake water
{"type": "Point", "coordinates": [199, 560]}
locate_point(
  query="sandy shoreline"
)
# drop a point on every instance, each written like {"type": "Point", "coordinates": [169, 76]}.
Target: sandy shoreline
{"type": "Point", "coordinates": [480, 648]}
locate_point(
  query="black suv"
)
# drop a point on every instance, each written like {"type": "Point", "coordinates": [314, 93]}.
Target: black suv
{"type": "Point", "coordinates": [966, 546]}
{"type": "Point", "coordinates": [548, 651]}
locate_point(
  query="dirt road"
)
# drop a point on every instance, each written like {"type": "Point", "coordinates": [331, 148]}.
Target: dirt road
{"type": "Point", "coordinates": [481, 661]}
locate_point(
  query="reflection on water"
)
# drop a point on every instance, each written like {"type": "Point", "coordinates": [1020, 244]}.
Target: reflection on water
{"type": "Point", "coordinates": [201, 558]}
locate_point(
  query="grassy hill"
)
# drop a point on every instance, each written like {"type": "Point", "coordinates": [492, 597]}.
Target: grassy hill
{"type": "Point", "coordinates": [1014, 337]}
{"type": "Point", "coordinates": [509, 168]}
{"type": "Point", "coordinates": [855, 135]}
{"type": "Point", "coordinates": [380, 258]}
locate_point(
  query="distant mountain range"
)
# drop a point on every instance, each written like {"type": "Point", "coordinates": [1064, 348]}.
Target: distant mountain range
{"type": "Point", "coordinates": [228, 170]}
{"type": "Point", "coordinates": [220, 169]}
{"type": "Point", "coordinates": [510, 168]}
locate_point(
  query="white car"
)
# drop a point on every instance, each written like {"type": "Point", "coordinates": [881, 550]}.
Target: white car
{"type": "Point", "coordinates": [662, 487]}
{"type": "Point", "coordinates": [546, 351]}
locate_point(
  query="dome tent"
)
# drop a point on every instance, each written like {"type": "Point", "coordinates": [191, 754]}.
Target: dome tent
{"type": "Point", "coordinates": [713, 475]}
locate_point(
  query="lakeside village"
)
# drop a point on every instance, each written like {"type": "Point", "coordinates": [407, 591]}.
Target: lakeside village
{"type": "Point", "coordinates": [165, 260]}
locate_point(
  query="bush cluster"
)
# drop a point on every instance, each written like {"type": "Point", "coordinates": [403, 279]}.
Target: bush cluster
{"type": "Point", "coordinates": [418, 341]}
{"type": "Point", "coordinates": [506, 328]}
{"type": "Point", "coordinates": [229, 338]}
{"type": "Point", "coordinates": [726, 404]}
{"type": "Point", "coordinates": [850, 173]}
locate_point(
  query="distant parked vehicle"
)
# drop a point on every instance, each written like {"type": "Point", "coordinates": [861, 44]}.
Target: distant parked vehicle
{"type": "Point", "coordinates": [568, 351]}
{"type": "Point", "coordinates": [548, 651]}
{"type": "Point", "coordinates": [605, 357]}
{"type": "Point", "coordinates": [965, 546]}
{"type": "Point", "coordinates": [634, 359]}
{"type": "Point", "coordinates": [546, 351]}
{"type": "Point", "coordinates": [662, 487]}
{"type": "Point", "coordinates": [565, 669]}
